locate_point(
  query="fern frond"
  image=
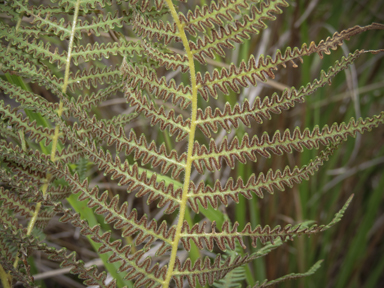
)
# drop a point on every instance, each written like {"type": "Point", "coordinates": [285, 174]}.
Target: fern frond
{"type": "Point", "coordinates": [124, 220]}
{"type": "Point", "coordinates": [236, 33]}
{"type": "Point", "coordinates": [148, 231]}
{"type": "Point", "coordinates": [102, 23]}
{"type": "Point", "coordinates": [9, 11]}
{"type": "Point", "coordinates": [17, 273]}
{"type": "Point", "coordinates": [170, 61]}
{"type": "Point", "coordinates": [142, 77]}
{"type": "Point", "coordinates": [68, 155]}
{"type": "Point", "coordinates": [23, 179]}
{"type": "Point", "coordinates": [36, 49]}
{"type": "Point", "coordinates": [262, 108]}
{"type": "Point", "coordinates": [37, 74]}
{"type": "Point", "coordinates": [131, 263]}
{"type": "Point", "coordinates": [155, 29]}
{"type": "Point", "coordinates": [93, 77]}
{"type": "Point", "coordinates": [6, 221]}
{"type": "Point", "coordinates": [234, 277]}
{"type": "Point", "coordinates": [98, 51]}
{"type": "Point", "coordinates": [228, 234]}
{"type": "Point", "coordinates": [279, 144]}
{"type": "Point", "coordinates": [8, 52]}
{"type": "Point", "coordinates": [69, 260]}
{"type": "Point", "coordinates": [59, 193]}
{"type": "Point", "coordinates": [291, 276]}
{"type": "Point", "coordinates": [19, 123]}
{"type": "Point", "coordinates": [7, 131]}
{"type": "Point", "coordinates": [86, 5]}
{"type": "Point", "coordinates": [269, 182]}
{"type": "Point", "coordinates": [30, 99]}
{"type": "Point", "coordinates": [86, 102]}
{"type": "Point", "coordinates": [159, 115]}
{"type": "Point", "coordinates": [205, 273]}
{"type": "Point", "coordinates": [214, 14]}
{"type": "Point", "coordinates": [45, 23]}
{"type": "Point", "coordinates": [139, 146]}
{"type": "Point", "coordinates": [249, 73]}
{"type": "Point", "coordinates": [13, 202]}
{"type": "Point", "coordinates": [121, 120]}
{"type": "Point", "coordinates": [130, 175]}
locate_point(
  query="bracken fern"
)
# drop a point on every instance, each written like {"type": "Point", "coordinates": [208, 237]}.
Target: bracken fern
{"type": "Point", "coordinates": [37, 178]}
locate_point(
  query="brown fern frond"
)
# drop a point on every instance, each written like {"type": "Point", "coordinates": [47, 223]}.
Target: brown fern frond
{"type": "Point", "coordinates": [38, 49]}
{"type": "Point", "coordinates": [155, 29]}
{"type": "Point", "coordinates": [16, 180]}
{"type": "Point", "coordinates": [19, 123]}
{"type": "Point", "coordinates": [14, 153]}
{"type": "Point", "coordinates": [86, 102]}
{"type": "Point", "coordinates": [149, 153]}
{"type": "Point", "coordinates": [236, 33]}
{"type": "Point", "coordinates": [13, 202]}
{"type": "Point", "coordinates": [120, 252]}
{"type": "Point", "coordinates": [248, 148]}
{"type": "Point", "coordinates": [249, 73]}
{"type": "Point", "coordinates": [7, 220]}
{"type": "Point", "coordinates": [26, 175]}
{"type": "Point", "coordinates": [17, 273]}
{"type": "Point", "coordinates": [59, 193]}
{"type": "Point", "coordinates": [98, 51]}
{"type": "Point", "coordinates": [102, 23]}
{"type": "Point", "coordinates": [141, 77]}
{"type": "Point", "coordinates": [131, 176]}
{"type": "Point", "coordinates": [28, 98]}
{"type": "Point", "coordinates": [37, 74]}
{"type": "Point", "coordinates": [91, 274]}
{"type": "Point", "coordinates": [176, 124]}
{"type": "Point", "coordinates": [93, 77]}
{"type": "Point", "coordinates": [170, 61]}
{"type": "Point", "coordinates": [229, 233]}
{"type": "Point", "coordinates": [256, 184]}
{"type": "Point", "coordinates": [262, 108]}
{"type": "Point", "coordinates": [217, 13]}
{"type": "Point", "coordinates": [45, 22]}
{"type": "Point", "coordinates": [205, 272]}
{"type": "Point", "coordinates": [68, 155]}
{"type": "Point", "coordinates": [131, 263]}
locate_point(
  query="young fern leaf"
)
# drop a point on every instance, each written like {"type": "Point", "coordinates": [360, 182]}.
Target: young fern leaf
{"type": "Point", "coordinates": [87, 57]}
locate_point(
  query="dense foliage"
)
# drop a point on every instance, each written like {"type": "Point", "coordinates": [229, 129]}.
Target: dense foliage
{"type": "Point", "coordinates": [52, 147]}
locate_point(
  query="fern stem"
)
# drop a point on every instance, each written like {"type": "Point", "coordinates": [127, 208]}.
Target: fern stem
{"type": "Point", "coordinates": [191, 138]}
{"type": "Point", "coordinates": [4, 278]}
{"type": "Point", "coordinates": [33, 219]}
{"type": "Point", "coordinates": [70, 45]}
